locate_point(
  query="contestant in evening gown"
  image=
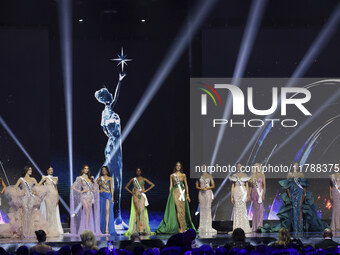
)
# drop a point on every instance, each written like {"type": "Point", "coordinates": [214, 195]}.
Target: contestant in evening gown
{"type": "Point", "coordinates": [239, 197]}
{"type": "Point", "coordinates": [49, 207]}
{"type": "Point", "coordinates": [85, 204]}
{"type": "Point", "coordinates": [205, 184]}
{"type": "Point", "coordinates": [177, 212]}
{"type": "Point", "coordinates": [258, 191]}
{"type": "Point", "coordinates": [106, 191]}
{"type": "Point", "coordinates": [335, 197]}
{"type": "Point", "coordinates": [139, 219]}
{"type": "Point", "coordinates": [3, 216]}
{"type": "Point", "coordinates": [298, 211]}
{"type": "Point", "coordinates": [24, 214]}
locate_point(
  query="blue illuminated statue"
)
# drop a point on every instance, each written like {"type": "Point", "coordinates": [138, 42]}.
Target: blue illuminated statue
{"type": "Point", "coordinates": [110, 124]}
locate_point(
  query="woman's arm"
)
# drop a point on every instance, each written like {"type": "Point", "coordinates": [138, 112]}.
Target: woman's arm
{"type": "Point", "coordinates": [198, 186]}
{"type": "Point", "coordinates": [128, 185]}
{"type": "Point", "coordinates": [212, 186]}
{"type": "Point", "coordinates": [170, 187]}
{"type": "Point", "coordinates": [288, 193]}
{"type": "Point", "coordinates": [18, 183]}
{"type": "Point", "coordinates": [232, 192]}
{"type": "Point", "coordinates": [3, 185]}
{"type": "Point", "coordinates": [112, 190]}
{"type": "Point", "coordinates": [121, 77]}
{"type": "Point", "coordinates": [42, 180]}
{"type": "Point", "coordinates": [100, 186]}
{"type": "Point", "coordinates": [150, 183]}
{"type": "Point", "coordinates": [35, 181]}
{"type": "Point", "coordinates": [304, 193]}
{"type": "Point", "coordinates": [248, 194]}
{"type": "Point", "coordinates": [264, 188]}
{"type": "Point", "coordinates": [74, 186]}
{"type": "Point", "coordinates": [56, 188]}
{"type": "Point", "coordinates": [186, 188]}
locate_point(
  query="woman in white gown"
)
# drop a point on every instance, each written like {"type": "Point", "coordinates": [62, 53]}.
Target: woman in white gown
{"type": "Point", "coordinates": [25, 218]}
{"type": "Point", "coordinates": [50, 207]}
{"type": "Point", "coordinates": [205, 196]}
{"type": "Point", "coordinates": [239, 198]}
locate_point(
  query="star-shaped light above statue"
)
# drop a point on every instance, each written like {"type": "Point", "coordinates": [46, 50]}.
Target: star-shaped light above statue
{"type": "Point", "coordinates": [121, 59]}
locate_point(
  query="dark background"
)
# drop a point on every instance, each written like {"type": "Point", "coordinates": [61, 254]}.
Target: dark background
{"type": "Point", "coordinates": [32, 95]}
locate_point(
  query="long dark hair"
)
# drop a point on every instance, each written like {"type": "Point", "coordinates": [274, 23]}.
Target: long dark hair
{"type": "Point", "coordinates": [48, 168]}
{"type": "Point", "coordinates": [181, 170]}
{"type": "Point", "coordinates": [238, 235]}
{"type": "Point", "coordinates": [88, 173]}
{"type": "Point", "coordinates": [24, 172]}
{"type": "Point", "coordinates": [107, 170]}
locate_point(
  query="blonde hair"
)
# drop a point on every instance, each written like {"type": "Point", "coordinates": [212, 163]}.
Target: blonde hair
{"type": "Point", "coordinates": [256, 174]}
{"type": "Point", "coordinates": [284, 237]}
{"type": "Point", "coordinates": [88, 240]}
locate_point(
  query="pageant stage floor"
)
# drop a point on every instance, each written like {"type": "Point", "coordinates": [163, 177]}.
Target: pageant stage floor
{"type": "Point", "coordinates": [120, 241]}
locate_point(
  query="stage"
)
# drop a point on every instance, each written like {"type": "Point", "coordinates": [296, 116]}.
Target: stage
{"type": "Point", "coordinates": [120, 241]}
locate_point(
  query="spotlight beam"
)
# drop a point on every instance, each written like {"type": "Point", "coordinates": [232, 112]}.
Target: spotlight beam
{"type": "Point", "coordinates": [308, 121]}
{"type": "Point", "coordinates": [198, 15]}
{"type": "Point", "coordinates": [9, 131]}
{"type": "Point", "coordinates": [317, 113]}
{"type": "Point", "coordinates": [315, 49]}
{"type": "Point", "coordinates": [65, 29]}
{"type": "Point", "coordinates": [253, 25]}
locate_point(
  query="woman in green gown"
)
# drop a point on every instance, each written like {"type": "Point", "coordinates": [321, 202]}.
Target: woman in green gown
{"type": "Point", "coordinates": [177, 213]}
{"type": "Point", "coordinates": [139, 219]}
{"type": "Point", "coordinates": [298, 211]}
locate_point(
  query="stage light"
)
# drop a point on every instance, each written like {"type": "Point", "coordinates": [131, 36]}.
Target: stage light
{"type": "Point", "coordinates": [80, 20]}
{"type": "Point", "coordinates": [143, 20]}
{"type": "Point", "coordinates": [315, 49]}
{"type": "Point", "coordinates": [253, 24]}
{"type": "Point", "coordinates": [318, 45]}
{"type": "Point", "coordinates": [198, 15]}
{"type": "Point", "coordinates": [65, 27]}
{"type": "Point", "coordinates": [309, 120]}
{"type": "Point", "coordinates": [12, 135]}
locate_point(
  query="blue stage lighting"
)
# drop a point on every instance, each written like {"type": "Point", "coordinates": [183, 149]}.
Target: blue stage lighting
{"type": "Point", "coordinates": [65, 28]}
{"type": "Point", "coordinates": [253, 24]}
{"type": "Point", "coordinates": [9, 131]}
{"type": "Point", "coordinates": [315, 49]}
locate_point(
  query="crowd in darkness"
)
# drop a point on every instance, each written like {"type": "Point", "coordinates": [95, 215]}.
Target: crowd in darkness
{"type": "Point", "coordinates": [184, 244]}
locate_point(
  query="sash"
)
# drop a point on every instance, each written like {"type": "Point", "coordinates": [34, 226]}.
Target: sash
{"type": "Point", "coordinates": [181, 191]}
{"type": "Point", "coordinates": [244, 199]}
{"type": "Point", "coordinates": [139, 188]}
{"type": "Point", "coordinates": [297, 183]}
{"type": "Point", "coordinates": [335, 184]}
{"type": "Point", "coordinates": [259, 192]}
{"type": "Point", "coordinates": [88, 184]}
{"type": "Point", "coordinates": [27, 186]}
{"type": "Point", "coordinates": [104, 183]}
{"type": "Point", "coordinates": [208, 186]}
{"type": "Point", "coordinates": [53, 182]}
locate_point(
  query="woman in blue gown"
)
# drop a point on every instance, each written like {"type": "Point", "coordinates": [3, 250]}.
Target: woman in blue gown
{"type": "Point", "coordinates": [105, 184]}
{"type": "Point", "coordinates": [298, 211]}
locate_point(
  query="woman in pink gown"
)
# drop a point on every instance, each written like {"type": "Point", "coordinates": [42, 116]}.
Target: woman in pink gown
{"type": "Point", "coordinates": [258, 191]}
{"type": "Point", "coordinates": [85, 204]}
{"type": "Point", "coordinates": [24, 215]}
{"type": "Point", "coordinates": [335, 197]}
